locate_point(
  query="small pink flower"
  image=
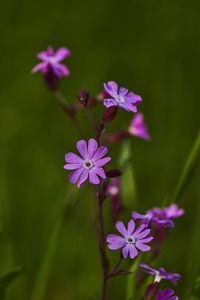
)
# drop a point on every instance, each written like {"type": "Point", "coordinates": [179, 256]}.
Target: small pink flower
{"type": "Point", "coordinates": [131, 241]}
{"type": "Point", "coordinates": [90, 164]}
{"type": "Point", "coordinates": [138, 128]}
{"type": "Point", "coordinates": [122, 98]}
{"type": "Point", "coordinates": [51, 62]}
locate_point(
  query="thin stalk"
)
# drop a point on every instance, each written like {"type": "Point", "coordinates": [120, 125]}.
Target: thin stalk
{"type": "Point", "coordinates": [101, 236]}
{"type": "Point", "coordinates": [69, 111]}
{"type": "Point", "coordinates": [187, 171]}
{"type": "Point", "coordinates": [92, 122]}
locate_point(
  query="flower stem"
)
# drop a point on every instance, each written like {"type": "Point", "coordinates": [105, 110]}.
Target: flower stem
{"type": "Point", "coordinates": [92, 122]}
{"type": "Point", "coordinates": [69, 111]}
{"type": "Point", "coordinates": [101, 235]}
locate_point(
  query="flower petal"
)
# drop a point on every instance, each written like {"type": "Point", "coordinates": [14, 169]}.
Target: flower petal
{"type": "Point", "coordinates": [136, 216]}
{"type": "Point", "coordinates": [83, 178]}
{"type": "Point", "coordinates": [100, 152]}
{"type": "Point", "coordinates": [100, 172]}
{"type": "Point", "coordinates": [71, 166]}
{"type": "Point", "coordinates": [143, 234]}
{"type": "Point", "coordinates": [146, 240]}
{"type": "Point", "coordinates": [115, 246]}
{"type": "Point", "coordinates": [133, 98]}
{"type": "Point", "coordinates": [123, 91]}
{"type": "Point", "coordinates": [92, 147]}
{"type": "Point", "coordinates": [125, 250]}
{"type": "Point", "coordinates": [61, 69]}
{"type": "Point", "coordinates": [43, 56]}
{"type": "Point", "coordinates": [131, 227]}
{"type": "Point", "coordinates": [112, 238]}
{"type": "Point", "coordinates": [166, 223]}
{"type": "Point", "coordinates": [73, 158]}
{"type": "Point", "coordinates": [82, 148]}
{"type": "Point", "coordinates": [142, 247]}
{"type": "Point", "coordinates": [121, 228]}
{"type": "Point", "coordinates": [93, 178]}
{"type": "Point", "coordinates": [108, 102]}
{"type": "Point", "coordinates": [136, 234]}
{"type": "Point", "coordinates": [61, 54]}
{"type": "Point", "coordinates": [102, 162]}
{"type": "Point", "coordinates": [133, 251]}
{"type": "Point", "coordinates": [38, 67]}
{"type": "Point", "coordinates": [111, 88]}
{"type": "Point", "coordinates": [147, 269]}
{"type": "Point", "coordinates": [74, 176]}
{"type": "Point", "coordinates": [128, 107]}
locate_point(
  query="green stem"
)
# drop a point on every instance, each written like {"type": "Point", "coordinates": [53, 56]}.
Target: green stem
{"type": "Point", "coordinates": [187, 171]}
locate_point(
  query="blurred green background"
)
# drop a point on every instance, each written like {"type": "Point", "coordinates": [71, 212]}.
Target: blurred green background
{"type": "Point", "coordinates": [150, 47]}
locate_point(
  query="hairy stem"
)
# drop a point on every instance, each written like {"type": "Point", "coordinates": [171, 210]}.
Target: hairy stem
{"type": "Point", "coordinates": [69, 111]}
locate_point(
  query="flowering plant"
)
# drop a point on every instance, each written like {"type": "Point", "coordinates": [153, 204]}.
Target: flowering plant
{"type": "Point", "coordinates": [91, 164]}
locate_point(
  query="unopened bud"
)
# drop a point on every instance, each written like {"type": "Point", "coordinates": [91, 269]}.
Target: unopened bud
{"type": "Point", "coordinates": [109, 114]}
{"type": "Point", "coordinates": [151, 291]}
{"type": "Point", "coordinates": [84, 97]}
{"type": "Point", "coordinates": [119, 136]}
{"type": "Point", "coordinates": [113, 173]}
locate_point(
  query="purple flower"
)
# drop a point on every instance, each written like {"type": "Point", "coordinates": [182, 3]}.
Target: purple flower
{"type": "Point", "coordinates": [126, 100]}
{"type": "Point", "coordinates": [161, 274]}
{"type": "Point", "coordinates": [138, 128]}
{"type": "Point", "coordinates": [166, 295]}
{"type": "Point", "coordinates": [131, 241]}
{"type": "Point", "coordinates": [51, 62]}
{"type": "Point", "coordinates": [153, 217]}
{"type": "Point", "coordinates": [90, 164]}
{"type": "Point", "coordinates": [172, 212]}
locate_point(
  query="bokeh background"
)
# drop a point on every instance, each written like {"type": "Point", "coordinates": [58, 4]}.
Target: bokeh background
{"type": "Point", "coordinates": [151, 47]}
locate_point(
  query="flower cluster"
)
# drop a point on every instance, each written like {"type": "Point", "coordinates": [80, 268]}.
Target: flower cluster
{"type": "Point", "coordinates": [91, 164]}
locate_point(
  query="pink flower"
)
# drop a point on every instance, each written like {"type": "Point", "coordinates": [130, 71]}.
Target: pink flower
{"type": "Point", "coordinates": [161, 274]}
{"type": "Point", "coordinates": [51, 62]}
{"type": "Point", "coordinates": [90, 164]}
{"type": "Point", "coordinates": [131, 241]}
{"type": "Point", "coordinates": [138, 128]}
{"type": "Point", "coordinates": [121, 98]}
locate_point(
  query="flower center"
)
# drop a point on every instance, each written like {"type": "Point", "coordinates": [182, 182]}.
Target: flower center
{"type": "Point", "coordinates": [157, 277]}
{"type": "Point", "coordinates": [88, 164]}
{"type": "Point", "coordinates": [130, 240]}
{"type": "Point", "coordinates": [120, 99]}
{"type": "Point", "coordinates": [51, 60]}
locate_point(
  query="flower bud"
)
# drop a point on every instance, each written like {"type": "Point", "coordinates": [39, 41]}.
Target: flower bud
{"type": "Point", "coordinates": [119, 136]}
{"type": "Point", "coordinates": [84, 97]}
{"type": "Point", "coordinates": [113, 173]}
{"type": "Point", "coordinates": [109, 114]}
{"type": "Point", "coordinates": [114, 193]}
{"type": "Point", "coordinates": [151, 291]}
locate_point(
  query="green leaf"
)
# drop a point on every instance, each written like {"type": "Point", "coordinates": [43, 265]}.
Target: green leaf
{"type": "Point", "coordinates": [188, 170]}
{"type": "Point", "coordinates": [8, 278]}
